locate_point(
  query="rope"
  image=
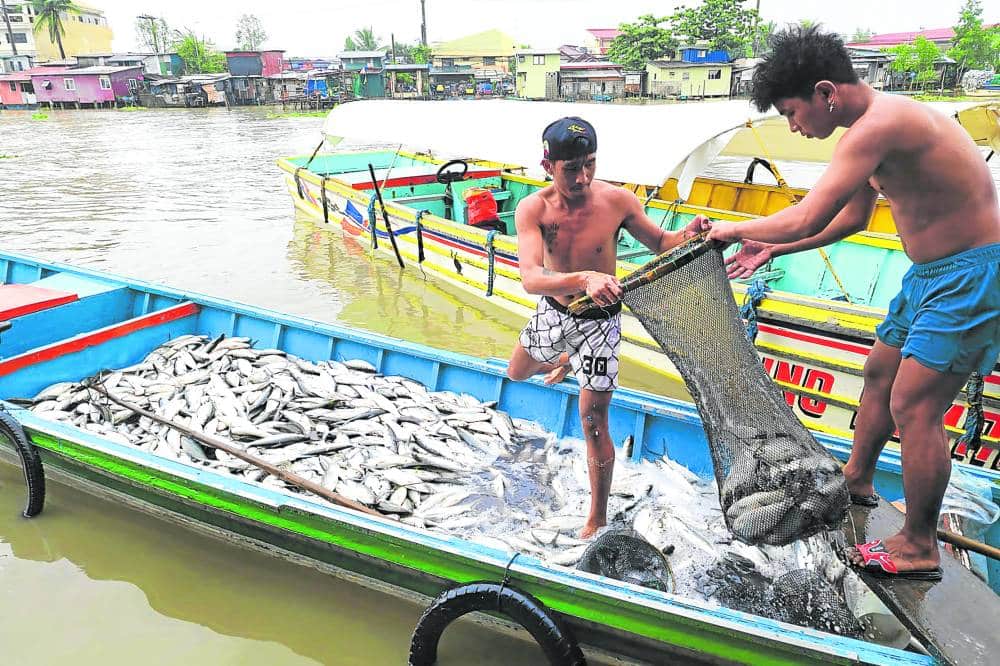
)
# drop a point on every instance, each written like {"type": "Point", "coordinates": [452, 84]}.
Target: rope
{"type": "Point", "coordinates": [298, 182]}
{"type": "Point", "coordinates": [322, 196]}
{"type": "Point", "coordinates": [491, 257]}
{"type": "Point", "coordinates": [794, 199]}
{"type": "Point", "coordinates": [298, 179]}
{"type": "Point", "coordinates": [505, 581]}
{"type": "Point", "coordinates": [748, 311]}
{"type": "Point", "coordinates": [974, 421]}
{"type": "Point", "coordinates": [420, 236]}
{"type": "Point", "coordinates": [372, 225]}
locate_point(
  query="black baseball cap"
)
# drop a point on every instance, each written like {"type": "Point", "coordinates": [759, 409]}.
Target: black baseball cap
{"type": "Point", "coordinates": [569, 138]}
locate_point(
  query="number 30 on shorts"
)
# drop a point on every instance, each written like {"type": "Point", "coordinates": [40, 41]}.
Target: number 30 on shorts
{"type": "Point", "coordinates": [595, 366]}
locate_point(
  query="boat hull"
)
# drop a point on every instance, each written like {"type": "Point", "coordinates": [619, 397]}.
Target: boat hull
{"type": "Point", "coordinates": [116, 322]}
{"type": "Point", "coordinates": [818, 365]}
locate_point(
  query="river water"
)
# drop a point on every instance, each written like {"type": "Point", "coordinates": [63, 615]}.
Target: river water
{"type": "Point", "coordinates": [193, 199]}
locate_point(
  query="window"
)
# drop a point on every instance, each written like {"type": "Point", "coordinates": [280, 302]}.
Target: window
{"type": "Point", "coordinates": [132, 85]}
{"type": "Point", "coordinates": [105, 83]}
{"type": "Point", "coordinates": [20, 38]}
{"type": "Point", "coordinates": [520, 58]}
{"type": "Point", "coordinates": [489, 60]}
{"type": "Point", "coordinates": [673, 74]}
{"type": "Point", "coordinates": [69, 84]}
{"type": "Point", "coordinates": [13, 86]}
{"type": "Point", "coordinates": [538, 60]}
{"type": "Point", "coordinates": [702, 54]}
{"type": "Point", "coordinates": [714, 74]}
{"type": "Point", "coordinates": [447, 62]}
{"type": "Point", "coordinates": [686, 76]}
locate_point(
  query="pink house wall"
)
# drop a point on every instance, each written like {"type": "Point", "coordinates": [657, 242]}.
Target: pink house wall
{"type": "Point", "coordinates": [8, 96]}
{"type": "Point", "coordinates": [88, 86]}
{"type": "Point", "coordinates": [273, 62]}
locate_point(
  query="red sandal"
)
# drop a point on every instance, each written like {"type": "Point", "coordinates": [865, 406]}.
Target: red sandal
{"type": "Point", "coordinates": [878, 562]}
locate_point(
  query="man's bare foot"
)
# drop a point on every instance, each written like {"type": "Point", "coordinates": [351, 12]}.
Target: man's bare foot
{"type": "Point", "coordinates": [559, 373]}
{"type": "Point", "coordinates": [856, 484]}
{"type": "Point", "coordinates": [906, 555]}
{"type": "Point", "coordinates": [591, 527]}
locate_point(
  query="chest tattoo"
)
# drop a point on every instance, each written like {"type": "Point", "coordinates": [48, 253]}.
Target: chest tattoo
{"type": "Point", "coordinates": [549, 234]}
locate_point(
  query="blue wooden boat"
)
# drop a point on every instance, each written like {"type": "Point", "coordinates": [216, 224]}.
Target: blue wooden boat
{"type": "Point", "coordinates": [69, 323]}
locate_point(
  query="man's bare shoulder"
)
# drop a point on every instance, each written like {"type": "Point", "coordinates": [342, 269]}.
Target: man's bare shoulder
{"type": "Point", "coordinates": [612, 193]}
{"type": "Point", "coordinates": [534, 202]}
{"type": "Point", "coordinates": [894, 119]}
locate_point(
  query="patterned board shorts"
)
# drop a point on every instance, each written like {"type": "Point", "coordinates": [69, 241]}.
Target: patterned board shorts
{"type": "Point", "coordinates": [592, 342]}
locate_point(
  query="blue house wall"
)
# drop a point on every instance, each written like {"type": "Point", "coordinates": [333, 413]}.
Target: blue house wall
{"type": "Point", "coordinates": [691, 55]}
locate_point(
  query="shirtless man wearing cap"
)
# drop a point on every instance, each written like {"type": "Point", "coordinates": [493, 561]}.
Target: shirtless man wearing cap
{"type": "Point", "coordinates": [566, 242]}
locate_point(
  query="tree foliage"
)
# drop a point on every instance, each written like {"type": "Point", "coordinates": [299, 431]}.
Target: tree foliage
{"type": "Point", "coordinates": [363, 39]}
{"type": "Point", "coordinates": [199, 55]}
{"type": "Point", "coordinates": [641, 42]}
{"type": "Point", "coordinates": [762, 38]}
{"type": "Point", "coordinates": [250, 33]}
{"type": "Point", "coordinates": [152, 35]}
{"type": "Point", "coordinates": [421, 54]}
{"type": "Point", "coordinates": [916, 60]}
{"type": "Point", "coordinates": [975, 47]}
{"type": "Point", "coordinates": [861, 35]}
{"type": "Point", "coordinates": [48, 17]}
{"type": "Point", "coordinates": [725, 24]}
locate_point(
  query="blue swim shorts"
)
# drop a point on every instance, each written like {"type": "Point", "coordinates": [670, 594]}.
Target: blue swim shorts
{"type": "Point", "coordinates": [947, 315]}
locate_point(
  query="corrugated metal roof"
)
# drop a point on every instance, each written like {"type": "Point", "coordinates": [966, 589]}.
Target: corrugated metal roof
{"type": "Point", "coordinates": [604, 33]}
{"type": "Point", "coordinates": [680, 64]}
{"type": "Point", "coordinates": [361, 54]}
{"type": "Point", "coordinates": [98, 69]}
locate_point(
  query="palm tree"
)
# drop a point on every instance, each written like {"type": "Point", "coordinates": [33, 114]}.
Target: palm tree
{"type": "Point", "coordinates": [363, 40]}
{"type": "Point", "coordinates": [48, 14]}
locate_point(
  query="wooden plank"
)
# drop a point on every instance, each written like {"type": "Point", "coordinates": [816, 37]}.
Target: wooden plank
{"type": "Point", "coordinates": [955, 618]}
{"type": "Point", "coordinates": [17, 300]}
{"type": "Point", "coordinates": [90, 339]}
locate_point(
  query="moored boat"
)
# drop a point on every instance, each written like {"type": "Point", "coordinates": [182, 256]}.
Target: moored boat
{"type": "Point", "coordinates": [68, 324]}
{"type": "Point", "coordinates": [815, 323]}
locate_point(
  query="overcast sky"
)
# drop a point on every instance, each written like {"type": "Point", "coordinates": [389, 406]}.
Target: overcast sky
{"type": "Point", "coordinates": [318, 27]}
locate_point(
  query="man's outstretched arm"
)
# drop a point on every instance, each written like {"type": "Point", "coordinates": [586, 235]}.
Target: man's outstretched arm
{"type": "Point", "coordinates": [855, 159]}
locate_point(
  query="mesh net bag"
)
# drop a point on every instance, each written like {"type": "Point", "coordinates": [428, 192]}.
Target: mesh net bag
{"type": "Point", "coordinates": [776, 483]}
{"type": "Point", "coordinates": [799, 597]}
{"type": "Point", "coordinates": [623, 554]}
{"type": "Point", "coordinates": [807, 599]}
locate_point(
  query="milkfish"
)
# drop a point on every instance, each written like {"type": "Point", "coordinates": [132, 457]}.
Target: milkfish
{"type": "Point", "coordinates": [436, 460]}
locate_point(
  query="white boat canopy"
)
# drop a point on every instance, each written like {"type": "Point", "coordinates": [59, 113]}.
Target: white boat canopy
{"type": "Point", "coordinates": [641, 144]}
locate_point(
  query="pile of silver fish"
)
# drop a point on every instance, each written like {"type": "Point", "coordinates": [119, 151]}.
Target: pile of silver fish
{"type": "Point", "coordinates": [432, 459]}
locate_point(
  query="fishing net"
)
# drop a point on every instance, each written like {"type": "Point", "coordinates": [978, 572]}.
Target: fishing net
{"type": "Point", "coordinates": [623, 554]}
{"type": "Point", "coordinates": [776, 483]}
{"type": "Point", "coordinates": [799, 597]}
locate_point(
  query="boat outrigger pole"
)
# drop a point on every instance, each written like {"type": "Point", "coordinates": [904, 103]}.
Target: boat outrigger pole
{"type": "Point", "coordinates": [385, 215]}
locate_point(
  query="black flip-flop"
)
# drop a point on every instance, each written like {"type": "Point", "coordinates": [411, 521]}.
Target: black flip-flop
{"type": "Point", "coordinates": [878, 562]}
{"type": "Point", "coordinates": [865, 500]}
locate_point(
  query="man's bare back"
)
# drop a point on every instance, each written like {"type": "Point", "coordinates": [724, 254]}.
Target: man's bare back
{"type": "Point", "coordinates": [942, 196]}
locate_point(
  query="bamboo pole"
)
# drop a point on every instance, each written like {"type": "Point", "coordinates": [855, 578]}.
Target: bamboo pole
{"type": "Point", "coordinates": [232, 449]}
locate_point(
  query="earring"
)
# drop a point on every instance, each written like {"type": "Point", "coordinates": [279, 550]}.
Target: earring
{"type": "Point", "coordinates": [830, 108]}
